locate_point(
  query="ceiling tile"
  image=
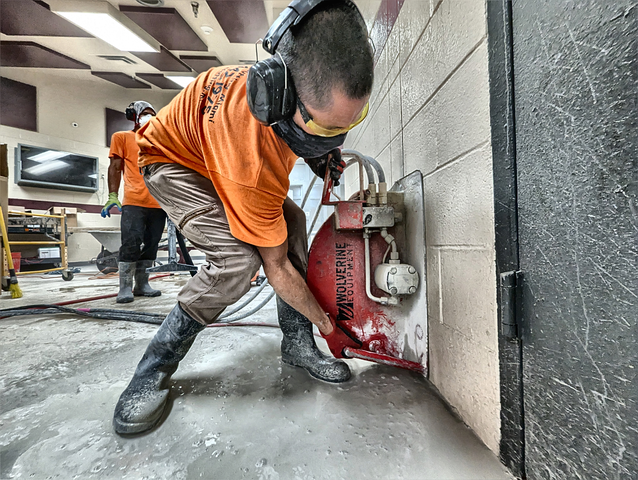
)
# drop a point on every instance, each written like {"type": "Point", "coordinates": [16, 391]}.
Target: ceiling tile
{"type": "Point", "coordinates": [31, 54]}
{"type": "Point", "coordinates": [121, 79]}
{"type": "Point", "coordinates": [167, 26]}
{"type": "Point", "coordinates": [164, 61]}
{"type": "Point", "coordinates": [200, 63]}
{"type": "Point", "coordinates": [243, 21]}
{"type": "Point", "coordinates": [29, 17]}
{"type": "Point", "coordinates": [159, 80]}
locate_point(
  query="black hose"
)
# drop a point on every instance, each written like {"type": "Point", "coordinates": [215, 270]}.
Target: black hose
{"type": "Point", "coordinates": [101, 313]}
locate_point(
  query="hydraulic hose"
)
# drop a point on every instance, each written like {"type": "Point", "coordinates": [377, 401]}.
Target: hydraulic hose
{"type": "Point", "coordinates": [250, 312]}
{"type": "Point", "coordinates": [246, 302]}
{"type": "Point", "coordinates": [364, 160]}
{"type": "Point", "coordinates": [378, 168]}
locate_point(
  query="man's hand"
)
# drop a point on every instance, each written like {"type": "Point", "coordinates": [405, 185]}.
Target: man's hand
{"type": "Point", "coordinates": [291, 286]}
{"type": "Point", "coordinates": [338, 339]}
{"type": "Point", "coordinates": [331, 160]}
{"type": "Point", "coordinates": [113, 201]}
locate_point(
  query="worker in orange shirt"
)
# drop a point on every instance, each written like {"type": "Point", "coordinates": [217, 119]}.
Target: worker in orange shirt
{"type": "Point", "coordinates": [143, 219]}
{"type": "Point", "coordinates": [217, 159]}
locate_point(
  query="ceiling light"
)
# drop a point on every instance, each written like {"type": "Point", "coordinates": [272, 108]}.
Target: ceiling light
{"type": "Point", "coordinates": [181, 80]}
{"type": "Point", "coordinates": [104, 21]}
{"type": "Point", "coordinates": [48, 155]}
{"type": "Point", "coordinates": [46, 167]}
{"type": "Point", "coordinates": [206, 29]}
{"type": "Point", "coordinates": [151, 3]}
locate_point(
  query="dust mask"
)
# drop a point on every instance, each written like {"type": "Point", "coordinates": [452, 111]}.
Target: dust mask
{"type": "Point", "coordinates": [145, 118]}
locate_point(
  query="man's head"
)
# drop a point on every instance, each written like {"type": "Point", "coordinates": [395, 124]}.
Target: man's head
{"type": "Point", "coordinates": [140, 112]}
{"type": "Point", "coordinates": [331, 63]}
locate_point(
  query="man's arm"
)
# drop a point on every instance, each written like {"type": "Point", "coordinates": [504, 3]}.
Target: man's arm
{"type": "Point", "coordinates": [291, 287]}
{"type": "Point", "coordinates": [115, 174]}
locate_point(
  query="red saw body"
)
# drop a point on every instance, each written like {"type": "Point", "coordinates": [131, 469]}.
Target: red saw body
{"type": "Point", "coordinates": [337, 278]}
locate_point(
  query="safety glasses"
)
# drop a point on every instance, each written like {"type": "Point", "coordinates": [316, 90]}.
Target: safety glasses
{"type": "Point", "coordinates": [327, 132]}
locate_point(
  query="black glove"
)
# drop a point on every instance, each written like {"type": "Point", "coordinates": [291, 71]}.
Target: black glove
{"type": "Point", "coordinates": [331, 160]}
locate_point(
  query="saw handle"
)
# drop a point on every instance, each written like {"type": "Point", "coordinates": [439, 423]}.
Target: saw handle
{"type": "Point", "coordinates": [328, 184]}
{"type": "Point", "coordinates": [338, 340]}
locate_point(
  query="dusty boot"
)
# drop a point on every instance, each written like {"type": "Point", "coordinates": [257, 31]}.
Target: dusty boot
{"type": "Point", "coordinates": [142, 288]}
{"type": "Point", "coordinates": [127, 270]}
{"type": "Point", "coordinates": [298, 347]}
{"type": "Point", "coordinates": [142, 403]}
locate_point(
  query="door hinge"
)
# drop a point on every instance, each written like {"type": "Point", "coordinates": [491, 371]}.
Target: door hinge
{"type": "Point", "coordinates": [510, 284]}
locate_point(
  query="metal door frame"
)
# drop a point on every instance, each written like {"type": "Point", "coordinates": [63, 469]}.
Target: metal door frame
{"type": "Point", "coordinates": [503, 136]}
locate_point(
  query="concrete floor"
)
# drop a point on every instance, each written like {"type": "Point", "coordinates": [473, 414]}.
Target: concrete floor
{"type": "Point", "coordinates": [235, 410]}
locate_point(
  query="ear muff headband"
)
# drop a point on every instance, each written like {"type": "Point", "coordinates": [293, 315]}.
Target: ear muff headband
{"type": "Point", "coordinates": [292, 15]}
{"type": "Point", "coordinates": [270, 92]}
{"type": "Point", "coordinates": [130, 112]}
{"type": "Point", "coordinates": [269, 88]}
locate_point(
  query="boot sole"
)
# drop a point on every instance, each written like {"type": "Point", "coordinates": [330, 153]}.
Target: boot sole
{"type": "Point", "coordinates": [288, 362]}
{"type": "Point", "coordinates": [125, 428]}
{"type": "Point", "coordinates": [123, 300]}
{"type": "Point", "coordinates": [147, 294]}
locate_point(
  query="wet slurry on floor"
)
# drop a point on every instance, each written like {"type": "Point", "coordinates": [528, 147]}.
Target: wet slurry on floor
{"type": "Point", "coordinates": [235, 410]}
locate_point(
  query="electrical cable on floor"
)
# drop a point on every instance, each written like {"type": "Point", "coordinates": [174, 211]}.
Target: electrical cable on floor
{"type": "Point", "coordinates": [153, 318]}
{"type": "Point", "coordinates": [113, 314]}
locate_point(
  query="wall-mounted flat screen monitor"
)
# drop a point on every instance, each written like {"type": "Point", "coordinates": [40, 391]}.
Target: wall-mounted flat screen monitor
{"type": "Point", "coordinates": [47, 168]}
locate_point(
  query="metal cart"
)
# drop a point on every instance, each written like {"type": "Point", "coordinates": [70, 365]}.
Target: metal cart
{"type": "Point", "coordinates": [52, 227]}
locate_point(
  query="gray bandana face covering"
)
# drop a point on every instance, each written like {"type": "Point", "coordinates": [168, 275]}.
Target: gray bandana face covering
{"type": "Point", "coordinates": [140, 106]}
{"type": "Point", "coordinates": [303, 144]}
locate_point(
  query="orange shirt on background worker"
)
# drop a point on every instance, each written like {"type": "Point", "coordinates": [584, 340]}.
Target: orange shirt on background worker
{"type": "Point", "coordinates": [209, 128]}
{"type": "Point", "coordinates": [123, 145]}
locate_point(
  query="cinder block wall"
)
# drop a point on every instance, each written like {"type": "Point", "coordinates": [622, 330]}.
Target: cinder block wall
{"type": "Point", "coordinates": [430, 112]}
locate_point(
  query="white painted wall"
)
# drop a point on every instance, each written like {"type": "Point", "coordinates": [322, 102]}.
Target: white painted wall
{"type": "Point", "coordinates": [62, 101]}
{"type": "Point", "coordinates": [430, 112]}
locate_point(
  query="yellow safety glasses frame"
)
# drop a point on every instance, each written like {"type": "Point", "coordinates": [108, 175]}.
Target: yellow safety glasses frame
{"type": "Point", "coordinates": [328, 132]}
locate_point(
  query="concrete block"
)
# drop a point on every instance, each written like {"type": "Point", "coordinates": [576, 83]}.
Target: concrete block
{"type": "Point", "coordinates": [412, 20]}
{"type": "Point", "coordinates": [385, 159]}
{"type": "Point", "coordinates": [456, 27]}
{"type": "Point", "coordinates": [394, 99]}
{"type": "Point", "coordinates": [433, 261]}
{"type": "Point", "coordinates": [380, 125]}
{"type": "Point", "coordinates": [467, 375]}
{"type": "Point", "coordinates": [418, 138]}
{"type": "Point", "coordinates": [396, 170]}
{"type": "Point", "coordinates": [462, 109]}
{"type": "Point", "coordinates": [380, 77]}
{"type": "Point", "coordinates": [393, 47]}
{"type": "Point", "coordinates": [457, 118]}
{"type": "Point", "coordinates": [468, 294]}
{"type": "Point", "coordinates": [459, 201]}
{"type": "Point", "coordinates": [417, 82]}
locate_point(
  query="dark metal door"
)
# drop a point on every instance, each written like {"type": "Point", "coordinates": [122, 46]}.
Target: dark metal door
{"type": "Point", "coordinates": [575, 92]}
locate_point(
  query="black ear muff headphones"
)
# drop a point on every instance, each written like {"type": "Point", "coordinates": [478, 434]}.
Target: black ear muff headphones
{"type": "Point", "coordinates": [130, 112]}
{"type": "Point", "coordinates": [270, 90]}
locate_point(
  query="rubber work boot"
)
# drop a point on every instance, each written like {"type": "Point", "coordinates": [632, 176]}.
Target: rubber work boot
{"type": "Point", "coordinates": [127, 271]}
{"type": "Point", "coordinates": [141, 405]}
{"type": "Point", "coordinates": [298, 347]}
{"type": "Point", "coordinates": [142, 288]}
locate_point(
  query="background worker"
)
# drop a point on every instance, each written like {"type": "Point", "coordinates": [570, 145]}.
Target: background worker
{"type": "Point", "coordinates": [217, 159]}
{"type": "Point", "coordinates": [143, 219]}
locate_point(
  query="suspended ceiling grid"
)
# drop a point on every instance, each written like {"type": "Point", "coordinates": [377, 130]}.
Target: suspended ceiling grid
{"type": "Point", "coordinates": [35, 38]}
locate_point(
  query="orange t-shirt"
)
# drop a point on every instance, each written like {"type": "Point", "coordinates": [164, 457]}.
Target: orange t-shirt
{"type": "Point", "coordinates": [123, 145]}
{"type": "Point", "coordinates": [209, 128]}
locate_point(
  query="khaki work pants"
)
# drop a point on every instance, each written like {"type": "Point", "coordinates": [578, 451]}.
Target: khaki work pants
{"type": "Point", "coordinates": [191, 202]}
